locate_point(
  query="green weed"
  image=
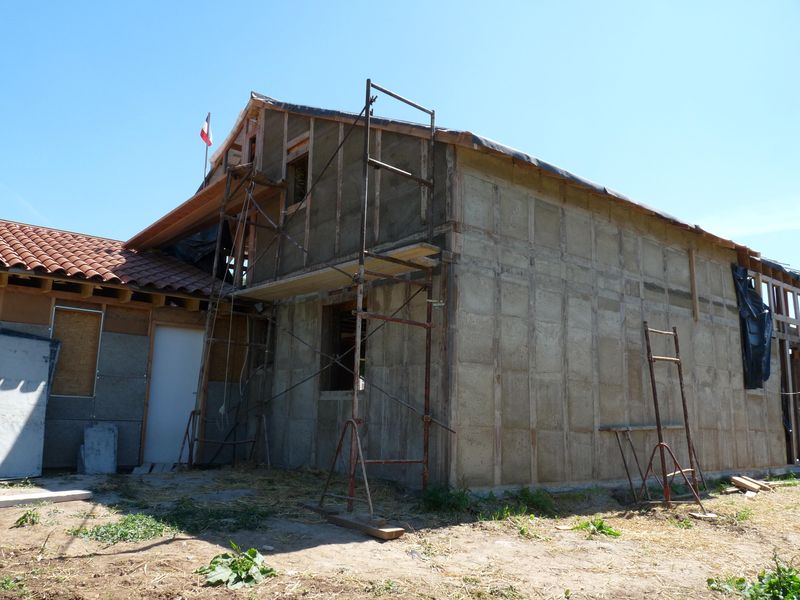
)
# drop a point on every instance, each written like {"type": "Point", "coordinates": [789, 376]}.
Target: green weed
{"type": "Point", "coordinates": [523, 525]}
{"type": "Point", "coordinates": [131, 528]}
{"type": "Point", "coordinates": [788, 479]}
{"type": "Point", "coordinates": [538, 502]}
{"type": "Point", "coordinates": [14, 584]}
{"type": "Point", "coordinates": [684, 523]}
{"type": "Point", "coordinates": [441, 498]}
{"type": "Point", "coordinates": [191, 517]}
{"type": "Point", "coordinates": [380, 588]}
{"type": "Point", "coordinates": [503, 513]}
{"type": "Point", "coordinates": [237, 569]}
{"type": "Point", "coordinates": [19, 483]}
{"type": "Point", "coordinates": [29, 518]}
{"type": "Point", "coordinates": [743, 515]}
{"type": "Point", "coordinates": [783, 582]}
{"type": "Point", "coordinates": [597, 526]}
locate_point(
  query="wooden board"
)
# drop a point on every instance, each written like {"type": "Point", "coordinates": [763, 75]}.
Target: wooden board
{"type": "Point", "coordinates": [34, 497]}
{"type": "Point", "coordinates": [743, 484]}
{"type": "Point", "coordinates": [763, 485]}
{"type": "Point", "coordinates": [79, 334]}
{"type": "Point", "coordinates": [380, 532]}
{"type": "Point", "coordinates": [332, 278]}
{"type": "Point", "coordinates": [377, 528]}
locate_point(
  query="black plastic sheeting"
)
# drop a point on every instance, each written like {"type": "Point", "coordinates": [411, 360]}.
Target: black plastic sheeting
{"type": "Point", "coordinates": [198, 249]}
{"type": "Point", "coordinates": [755, 319]}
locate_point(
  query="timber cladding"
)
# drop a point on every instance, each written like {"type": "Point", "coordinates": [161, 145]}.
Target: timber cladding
{"type": "Point", "coordinates": [26, 308]}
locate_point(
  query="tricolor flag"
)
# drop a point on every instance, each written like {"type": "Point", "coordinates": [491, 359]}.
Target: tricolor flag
{"type": "Point", "coordinates": [205, 132]}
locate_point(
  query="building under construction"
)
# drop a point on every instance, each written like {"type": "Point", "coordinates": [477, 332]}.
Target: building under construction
{"type": "Point", "coordinates": [466, 313]}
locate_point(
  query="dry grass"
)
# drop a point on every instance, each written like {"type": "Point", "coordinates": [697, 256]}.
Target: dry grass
{"type": "Point", "coordinates": [662, 553]}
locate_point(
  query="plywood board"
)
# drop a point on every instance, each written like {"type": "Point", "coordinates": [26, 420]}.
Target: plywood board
{"type": "Point", "coordinates": [79, 334]}
{"type": "Point", "coordinates": [332, 278]}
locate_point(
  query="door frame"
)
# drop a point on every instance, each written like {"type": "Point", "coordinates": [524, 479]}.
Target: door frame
{"type": "Point", "coordinates": [151, 333]}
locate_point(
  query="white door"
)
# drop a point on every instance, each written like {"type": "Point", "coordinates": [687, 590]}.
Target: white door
{"type": "Point", "coordinates": [24, 368]}
{"type": "Point", "coordinates": [177, 353]}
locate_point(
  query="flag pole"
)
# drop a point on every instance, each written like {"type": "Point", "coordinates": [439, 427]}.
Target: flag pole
{"type": "Point", "coordinates": [205, 162]}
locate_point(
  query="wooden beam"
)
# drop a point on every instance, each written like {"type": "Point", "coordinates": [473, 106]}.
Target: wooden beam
{"type": "Point", "coordinates": [87, 290]}
{"type": "Point", "coordinates": [309, 185]}
{"type": "Point", "coordinates": [46, 285]}
{"type": "Point", "coordinates": [125, 296]}
{"type": "Point", "coordinates": [693, 283]}
{"type": "Point", "coordinates": [158, 300]}
{"type": "Point", "coordinates": [3, 279]}
{"type": "Point", "coordinates": [193, 304]}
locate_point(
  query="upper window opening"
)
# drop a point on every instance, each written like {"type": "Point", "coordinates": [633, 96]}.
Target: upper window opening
{"type": "Point", "coordinates": [297, 179]}
{"type": "Point", "coordinates": [251, 149]}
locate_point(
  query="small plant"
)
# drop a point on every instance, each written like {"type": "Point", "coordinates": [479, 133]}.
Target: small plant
{"type": "Point", "coordinates": [522, 523]}
{"type": "Point", "coordinates": [441, 498]}
{"type": "Point", "coordinates": [19, 483]}
{"type": "Point", "coordinates": [538, 502]}
{"type": "Point", "coordinates": [379, 588]}
{"type": "Point", "coordinates": [131, 528]}
{"type": "Point", "coordinates": [684, 523]}
{"type": "Point", "coordinates": [502, 513]}
{"type": "Point", "coordinates": [728, 585]}
{"type": "Point", "coordinates": [743, 515]}
{"type": "Point", "coordinates": [237, 569]}
{"type": "Point", "coordinates": [597, 526]}
{"type": "Point", "coordinates": [192, 517]}
{"type": "Point", "coordinates": [29, 518]}
{"type": "Point", "coordinates": [781, 583]}
{"type": "Point", "coordinates": [13, 584]}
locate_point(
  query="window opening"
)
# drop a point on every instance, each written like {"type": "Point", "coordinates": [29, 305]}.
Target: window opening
{"type": "Point", "coordinates": [339, 337]}
{"type": "Point", "coordinates": [297, 179]}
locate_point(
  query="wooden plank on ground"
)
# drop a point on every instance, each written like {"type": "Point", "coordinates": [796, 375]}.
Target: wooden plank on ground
{"type": "Point", "coordinates": [34, 497]}
{"type": "Point", "coordinates": [743, 484]}
{"type": "Point", "coordinates": [763, 485]}
{"type": "Point", "coordinates": [380, 532]}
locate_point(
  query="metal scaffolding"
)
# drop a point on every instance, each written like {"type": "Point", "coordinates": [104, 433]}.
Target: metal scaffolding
{"type": "Point", "coordinates": [247, 179]}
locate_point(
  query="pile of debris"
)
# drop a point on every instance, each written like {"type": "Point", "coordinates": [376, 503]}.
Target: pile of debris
{"type": "Point", "coordinates": [747, 486]}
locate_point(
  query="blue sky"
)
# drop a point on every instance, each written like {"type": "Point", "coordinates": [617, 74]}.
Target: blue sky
{"type": "Point", "coordinates": [689, 107]}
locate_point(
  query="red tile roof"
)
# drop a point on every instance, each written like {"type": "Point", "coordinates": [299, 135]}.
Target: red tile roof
{"type": "Point", "coordinates": [80, 256]}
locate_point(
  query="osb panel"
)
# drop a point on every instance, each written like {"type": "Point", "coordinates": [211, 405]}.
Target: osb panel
{"type": "Point", "coordinates": [219, 350]}
{"type": "Point", "coordinates": [25, 308]}
{"type": "Point", "coordinates": [170, 314]}
{"type": "Point", "coordinates": [127, 320]}
{"type": "Point", "coordinates": [79, 334]}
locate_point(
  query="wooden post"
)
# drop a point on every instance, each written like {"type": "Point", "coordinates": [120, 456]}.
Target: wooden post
{"type": "Point", "coordinates": [693, 283]}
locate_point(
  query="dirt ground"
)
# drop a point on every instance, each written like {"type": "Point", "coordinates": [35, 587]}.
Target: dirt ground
{"type": "Point", "coordinates": [659, 554]}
